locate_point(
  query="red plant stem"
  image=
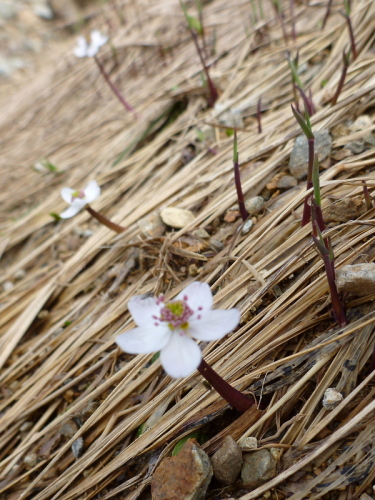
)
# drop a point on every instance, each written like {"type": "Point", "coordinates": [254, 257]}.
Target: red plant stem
{"type": "Point", "coordinates": [235, 398]}
{"type": "Point", "coordinates": [367, 196]}
{"type": "Point", "coordinates": [306, 217]}
{"type": "Point", "coordinates": [337, 307]}
{"type": "Point", "coordinates": [237, 180]}
{"type": "Point", "coordinates": [212, 89]}
{"type": "Point", "coordinates": [340, 84]}
{"type": "Point", "coordinates": [113, 87]}
{"type": "Point", "coordinates": [352, 39]}
{"type": "Point", "coordinates": [328, 11]}
{"type": "Point", "coordinates": [103, 220]}
{"type": "Point", "coordinates": [259, 115]}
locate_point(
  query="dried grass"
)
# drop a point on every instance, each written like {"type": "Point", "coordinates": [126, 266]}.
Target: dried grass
{"type": "Point", "coordinates": [69, 291]}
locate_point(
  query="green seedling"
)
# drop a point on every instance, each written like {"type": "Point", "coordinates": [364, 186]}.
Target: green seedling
{"type": "Point", "coordinates": [296, 82]}
{"type": "Point", "coordinates": [195, 28]}
{"type": "Point", "coordinates": [307, 130]}
{"type": "Point", "coordinates": [237, 180]}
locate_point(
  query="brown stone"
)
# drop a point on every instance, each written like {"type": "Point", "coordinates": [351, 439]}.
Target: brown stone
{"type": "Point", "coordinates": [185, 476]}
{"type": "Point", "coordinates": [227, 461]}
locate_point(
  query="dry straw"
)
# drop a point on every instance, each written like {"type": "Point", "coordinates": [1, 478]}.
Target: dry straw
{"type": "Point", "coordinates": [66, 285]}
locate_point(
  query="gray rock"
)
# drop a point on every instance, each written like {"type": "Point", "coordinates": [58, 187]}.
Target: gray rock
{"type": "Point", "coordinates": [77, 447]}
{"type": "Point", "coordinates": [8, 9]}
{"type": "Point", "coordinates": [286, 182]}
{"type": "Point", "coordinates": [227, 461]}
{"type": "Point", "coordinates": [258, 467]}
{"type": "Point", "coordinates": [300, 153]}
{"type": "Point", "coordinates": [185, 476]}
{"type": "Point", "coordinates": [177, 217]}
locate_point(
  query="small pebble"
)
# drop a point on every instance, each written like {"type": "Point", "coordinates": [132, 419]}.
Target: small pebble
{"type": "Point", "coordinates": [20, 274]}
{"type": "Point", "coordinates": [177, 217]}
{"type": "Point", "coordinates": [7, 286]}
{"type": "Point", "coordinates": [30, 460]}
{"type": "Point", "coordinates": [200, 233]}
{"type": "Point", "coordinates": [248, 443]}
{"type": "Point", "coordinates": [152, 226]}
{"type": "Point", "coordinates": [227, 461]}
{"type": "Point", "coordinates": [286, 182]}
{"type": "Point", "coordinates": [26, 426]}
{"type": "Point", "coordinates": [247, 226]}
{"type": "Point", "coordinates": [258, 467]}
{"type": "Point", "coordinates": [77, 447]}
{"type": "Point", "coordinates": [254, 204]}
{"type": "Point", "coordinates": [332, 398]}
{"type": "Point", "coordinates": [69, 429]}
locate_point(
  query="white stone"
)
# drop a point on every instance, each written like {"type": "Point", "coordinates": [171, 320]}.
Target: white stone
{"type": "Point", "coordinates": [332, 398]}
{"type": "Point", "coordinates": [177, 217]}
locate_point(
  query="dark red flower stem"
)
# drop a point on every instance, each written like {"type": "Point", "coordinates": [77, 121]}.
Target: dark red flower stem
{"type": "Point", "coordinates": [306, 217]}
{"type": "Point", "coordinates": [213, 93]}
{"type": "Point", "coordinates": [351, 35]}
{"type": "Point", "coordinates": [259, 115]}
{"type": "Point", "coordinates": [328, 11]}
{"type": "Point", "coordinates": [103, 220]}
{"type": "Point", "coordinates": [237, 180]}
{"type": "Point", "coordinates": [342, 79]}
{"type": "Point", "coordinates": [113, 87]}
{"type": "Point", "coordinates": [235, 398]}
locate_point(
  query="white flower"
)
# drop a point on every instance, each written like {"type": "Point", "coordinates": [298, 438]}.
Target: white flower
{"type": "Point", "coordinates": [84, 49]}
{"type": "Point", "coordinates": [169, 326]}
{"type": "Point", "coordinates": [78, 199]}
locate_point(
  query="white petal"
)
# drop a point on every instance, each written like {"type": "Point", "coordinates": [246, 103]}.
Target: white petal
{"type": "Point", "coordinates": [98, 39]}
{"type": "Point", "coordinates": [70, 212]}
{"type": "Point", "coordinates": [143, 340]}
{"type": "Point", "coordinates": [80, 49]}
{"type": "Point", "coordinates": [92, 50]}
{"type": "Point", "coordinates": [214, 324]}
{"type": "Point", "coordinates": [66, 194]}
{"type": "Point", "coordinates": [199, 297]}
{"type": "Point", "coordinates": [143, 308]}
{"type": "Point", "coordinates": [92, 191]}
{"type": "Point", "coordinates": [181, 356]}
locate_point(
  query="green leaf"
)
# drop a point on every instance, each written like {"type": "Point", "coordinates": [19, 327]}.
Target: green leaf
{"type": "Point", "coordinates": [304, 126]}
{"type": "Point", "coordinates": [324, 82]}
{"type": "Point", "coordinates": [200, 134]}
{"type": "Point", "coordinates": [55, 216]}
{"type": "Point", "coordinates": [155, 357]}
{"type": "Point", "coordinates": [229, 132]}
{"type": "Point", "coordinates": [180, 444]}
{"type": "Point", "coordinates": [315, 181]}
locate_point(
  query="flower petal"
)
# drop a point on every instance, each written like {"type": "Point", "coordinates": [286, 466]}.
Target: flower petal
{"type": "Point", "coordinates": [98, 39]}
{"type": "Point", "coordinates": [80, 50]}
{"type": "Point", "coordinates": [199, 297]}
{"type": "Point", "coordinates": [92, 191]}
{"type": "Point", "coordinates": [214, 324]}
{"type": "Point", "coordinates": [181, 356]}
{"type": "Point", "coordinates": [143, 340]}
{"type": "Point", "coordinates": [75, 207]}
{"type": "Point", "coordinates": [143, 308]}
{"type": "Point", "coordinates": [67, 195]}
{"type": "Point", "coordinates": [70, 212]}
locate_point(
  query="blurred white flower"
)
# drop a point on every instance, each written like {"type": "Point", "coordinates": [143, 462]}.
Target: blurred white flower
{"type": "Point", "coordinates": [169, 326]}
{"type": "Point", "coordinates": [84, 49]}
{"type": "Point", "coordinates": [78, 199]}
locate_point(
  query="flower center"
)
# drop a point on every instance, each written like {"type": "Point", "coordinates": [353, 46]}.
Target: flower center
{"type": "Point", "coordinates": [78, 194]}
{"type": "Point", "coordinates": [176, 314]}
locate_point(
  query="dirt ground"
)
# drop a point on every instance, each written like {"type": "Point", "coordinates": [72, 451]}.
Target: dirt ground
{"type": "Point", "coordinates": [79, 418]}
